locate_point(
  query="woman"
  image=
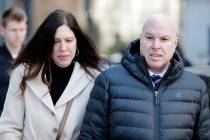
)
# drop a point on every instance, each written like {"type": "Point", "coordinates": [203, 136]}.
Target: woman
{"type": "Point", "coordinates": [56, 68]}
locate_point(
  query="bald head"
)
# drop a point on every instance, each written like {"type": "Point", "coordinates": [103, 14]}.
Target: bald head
{"type": "Point", "coordinates": [158, 42]}
{"type": "Point", "coordinates": [161, 22]}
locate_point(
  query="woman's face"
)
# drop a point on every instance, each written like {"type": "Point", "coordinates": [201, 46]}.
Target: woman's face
{"type": "Point", "coordinates": [64, 48]}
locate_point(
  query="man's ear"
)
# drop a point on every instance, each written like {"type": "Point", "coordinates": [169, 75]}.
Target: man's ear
{"type": "Point", "coordinates": [27, 28]}
{"type": "Point", "coordinates": [1, 30]}
{"type": "Point", "coordinates": [176, 42]}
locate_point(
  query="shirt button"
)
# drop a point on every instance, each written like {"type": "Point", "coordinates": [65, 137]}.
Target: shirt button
{"type": "Point", "coordinates": [55, 130]}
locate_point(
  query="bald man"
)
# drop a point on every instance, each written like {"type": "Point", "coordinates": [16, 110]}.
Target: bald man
{"type": "Point", "coordinates": [148, 96]}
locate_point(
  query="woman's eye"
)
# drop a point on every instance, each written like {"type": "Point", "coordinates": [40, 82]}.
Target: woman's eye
{"type": "Point", "coordinates": [56, 41]}
{"type": "Point", "coordinates": [69, 40]}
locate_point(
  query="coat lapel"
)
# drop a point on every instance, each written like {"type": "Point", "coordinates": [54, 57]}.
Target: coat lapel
{"type": "Point", "coordinates": [41, 91]}
{"type": "Point", "coordinates": [78, 81]}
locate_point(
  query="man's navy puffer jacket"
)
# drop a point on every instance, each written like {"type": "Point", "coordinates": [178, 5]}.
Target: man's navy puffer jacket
{"type": "Point", "coordinates": [125, 106]}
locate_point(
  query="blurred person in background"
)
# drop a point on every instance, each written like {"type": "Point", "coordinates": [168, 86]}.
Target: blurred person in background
{"type": "Point", "coordinates": [148, 96]}
{"type": "Point", "coordinates": [13, 30]}
{"type": "Point", "coordinates": [51, 82]}
{"type": "Point", "coordinates": [1, 37]}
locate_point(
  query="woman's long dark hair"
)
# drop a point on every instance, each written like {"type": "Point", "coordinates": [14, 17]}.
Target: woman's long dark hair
{"type": "Point", "coordinates": [36, 55]}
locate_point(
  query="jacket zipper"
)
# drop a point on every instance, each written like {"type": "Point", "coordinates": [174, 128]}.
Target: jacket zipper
{"type": "Point", "coordinates": [156, 98]}
{"type": "Point", "coordinates": [156, 133]}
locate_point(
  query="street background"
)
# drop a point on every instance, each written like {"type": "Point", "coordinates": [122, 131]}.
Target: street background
{"type": "Point", "coordinates": [114, 23]}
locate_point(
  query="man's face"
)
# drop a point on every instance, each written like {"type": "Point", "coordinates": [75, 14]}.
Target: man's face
{"type": "Point", "coordinates": [14, 33]}
{"type": "Point", "coordinates": [158, 44]}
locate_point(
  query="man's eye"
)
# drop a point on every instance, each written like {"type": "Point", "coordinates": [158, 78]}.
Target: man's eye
{"type": "Point", "coordinates": [13, 30]}
{"type": "Point", "coordinates": [23, 29]}
{"type": "Point", "coordinates": [164, 39]}
{"type": "Point", "coordinates": [149, 37]}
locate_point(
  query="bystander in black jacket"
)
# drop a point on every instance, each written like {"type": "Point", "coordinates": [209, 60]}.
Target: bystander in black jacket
{"type": "Point", "coordinates": [123, 105]}
{"type": "Point", "coordinates": [5, 66]}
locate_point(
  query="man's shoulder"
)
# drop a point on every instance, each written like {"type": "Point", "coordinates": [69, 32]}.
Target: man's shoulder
{"type": "Point", "coordinates": [191, 75]}
{"type": "Point", "coordinates": [4, 53]}
{"type": "Point", "coordinates": [2, 49]}
{"type": "Point", "coordinates": [194, 80]}
{"type": "Point", "coordinates": [4, 57]}
{"type": "Point", "coordinates": [114, 69]}
{"type": "Point", "coordinates": [113, 72]}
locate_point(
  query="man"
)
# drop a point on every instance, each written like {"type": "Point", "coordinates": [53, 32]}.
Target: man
{"type": "Point", "coordinates": [149, 96]}
{"type": "Point", "coordinates": [14, 28]}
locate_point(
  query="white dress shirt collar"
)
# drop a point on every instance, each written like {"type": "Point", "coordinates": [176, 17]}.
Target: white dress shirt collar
{"type": "Point", "coordinates": [161, 74]}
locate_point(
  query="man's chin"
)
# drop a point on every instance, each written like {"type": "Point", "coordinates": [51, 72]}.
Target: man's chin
{"type": "Point", "coordinates": [17, 45]}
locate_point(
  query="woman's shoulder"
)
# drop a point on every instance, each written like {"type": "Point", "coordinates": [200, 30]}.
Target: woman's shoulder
{"type": "Point", "coordinates": [90, 72]}
{"type": "Point", "coordinates": [20, 69]}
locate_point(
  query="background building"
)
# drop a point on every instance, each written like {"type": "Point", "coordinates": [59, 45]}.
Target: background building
{"type": "Point", "coordinates": [195, 30]}
{"type": "Point", "coordinates": [114, 23]}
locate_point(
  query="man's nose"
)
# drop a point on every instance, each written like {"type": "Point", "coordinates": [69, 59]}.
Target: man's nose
{"type": "Point", "coordinates": [18, 33]}
{"type": "Point", "coordinates": [156, 44]}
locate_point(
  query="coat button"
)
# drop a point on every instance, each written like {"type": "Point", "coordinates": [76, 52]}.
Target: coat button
{"type": "Point", "coordinates": [55, 130]}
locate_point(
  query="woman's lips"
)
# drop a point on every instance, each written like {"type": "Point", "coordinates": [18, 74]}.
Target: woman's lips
{"type": "Point", "coordinates": [63, 57]}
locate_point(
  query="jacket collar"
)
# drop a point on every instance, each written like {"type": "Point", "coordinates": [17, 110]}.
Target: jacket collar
{"type": "Point", "coordinates": [134, 62]}
{"type": "Point", "coordinates": [78, 81]}
{"type": "Point", "coordinates": [6, 52]}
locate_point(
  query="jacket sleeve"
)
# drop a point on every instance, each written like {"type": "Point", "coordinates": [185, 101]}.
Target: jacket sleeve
{"type": "Point", "coordinates": [11, 120]}
{"type": "Point", "coordinates": [95, 123]}
{"type": "Point", "coordinates": [202, 130]}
